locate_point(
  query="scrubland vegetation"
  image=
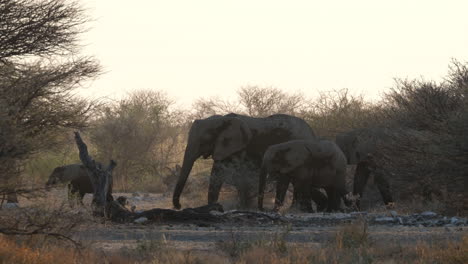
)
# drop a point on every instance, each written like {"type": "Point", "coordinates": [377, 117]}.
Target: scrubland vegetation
{"type": "Point", "coordinates": [145, 132]}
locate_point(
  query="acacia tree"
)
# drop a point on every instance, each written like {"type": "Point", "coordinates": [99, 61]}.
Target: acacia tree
{"type": "Point", "coordinates": [337, 111]}
{"type": "Point", "coordinates": [40, 68]}
{"type": "Point", "coordinates": [264, 101]}
{"type": "Point", "coordinates": [253, 101]}
{"type": "Point", "coordinates": [143, 133]}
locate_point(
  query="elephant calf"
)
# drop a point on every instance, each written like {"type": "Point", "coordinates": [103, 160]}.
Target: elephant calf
{"type": "Point", "coordinates": [308, 164]}
{"type": "Point", "coordinates": [77, 178]}
{"type": "Point", "coordinates": [359, 147]}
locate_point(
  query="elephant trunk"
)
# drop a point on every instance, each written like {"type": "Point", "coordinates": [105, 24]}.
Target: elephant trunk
{"type": "Point", "coordinates": [261, 187]}
{"type": "Point", "coordinates": [189, 158]}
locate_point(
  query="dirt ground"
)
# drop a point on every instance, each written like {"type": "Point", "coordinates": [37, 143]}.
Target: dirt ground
{"type": "Point", "coordinates": [307, 230]}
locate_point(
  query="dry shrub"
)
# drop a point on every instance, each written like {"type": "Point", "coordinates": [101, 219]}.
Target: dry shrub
{"type": "Point", "coordinates": [44, 224]}
{"type": "Point", "coordinates": [352, 244]}
{"type": "Point", "coordinates": [338, 111]}
{"type": "Point", "coordinates": [144, 134]}
{"type": "Point", "coordinates": [186, 257]}
{"type": "Point", "coordinates": [236, 247]}
{"type": "Point", "coordinates": [267, 255]}
{"type": "Point", "coordinates": [453, 252]}
{"type": "Point", "coordinates": [161, 251]}
{"type": "Point", "coordinates": [353, 235]}
{"type": "Point", "coordinates": [426, 150]}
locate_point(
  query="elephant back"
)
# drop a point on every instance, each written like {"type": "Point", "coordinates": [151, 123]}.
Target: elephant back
{"type": "Point", "coordinates": [320, 149]}
{"type": "Point", "coordinates": [68, 173]}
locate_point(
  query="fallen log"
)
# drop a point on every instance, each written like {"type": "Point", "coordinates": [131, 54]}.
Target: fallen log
{"type": "Point", "coordinates": [119, 213]}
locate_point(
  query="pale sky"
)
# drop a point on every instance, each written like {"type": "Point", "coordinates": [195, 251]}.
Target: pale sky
{"type": "Point", "coordinates": [198, 48]}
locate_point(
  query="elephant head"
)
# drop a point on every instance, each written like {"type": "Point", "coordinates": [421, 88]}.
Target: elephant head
{"type": "Point", "coordinates": [56, 177]}
{"type": "Point", "coordinates": [349, 144]}
{"type": "Point", "coordinates": [219, 137]}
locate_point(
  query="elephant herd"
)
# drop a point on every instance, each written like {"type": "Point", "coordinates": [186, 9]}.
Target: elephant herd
{"type": "Point", "coordinates": [280, 148]}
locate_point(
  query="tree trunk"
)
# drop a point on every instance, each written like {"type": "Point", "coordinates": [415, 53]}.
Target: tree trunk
{"type": "Point", "coordinates": [101, 179]}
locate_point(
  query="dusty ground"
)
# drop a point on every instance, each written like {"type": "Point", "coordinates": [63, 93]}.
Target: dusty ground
{"type": "Point", "coordinates": [301, 230]}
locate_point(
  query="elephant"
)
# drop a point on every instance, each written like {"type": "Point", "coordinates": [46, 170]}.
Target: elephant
{"type": "Point", "coordinates": [360, 148]}
{"type": "Point", "coordinates": [307, 164]}
{"type": "Point", "coordinates": [232, 138]}
{"type": "Point", "coordinates": [76, 175]}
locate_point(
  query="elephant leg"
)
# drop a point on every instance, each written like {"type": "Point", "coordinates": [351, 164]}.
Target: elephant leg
{"type": "Point", "coordinates": [361, 176]}
{"type": "Point", "coordinates": [319, 198]}
{"type": "Point", "coordinates": [80, 197]}
{"type": "Point", "coordinates": [383, 186]}
{"type": "Point", "coordinates": [294, 203]}
{"type": "Point", "coordinates": [281, 189]}
{"type": "Point", "coordinates": [334, 199]}
{"type": "Point", "coordinates": [216, 182]}
{"type": "Point", "coordinates": [72, 195]}
{"type": "Point", "coordinates": [110, 198]}
{"type": "Point", "coordinates": [244, 197]}
{"type": "Point", "coordinates": [302, 192]}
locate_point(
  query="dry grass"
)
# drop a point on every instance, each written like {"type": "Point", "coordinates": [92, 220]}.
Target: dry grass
{"type": "Point", "coordinates": [19, 253]}
{"type": "Point", "coordinates": [351, 244]}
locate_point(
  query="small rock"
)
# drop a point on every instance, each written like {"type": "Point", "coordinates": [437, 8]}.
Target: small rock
{"type": "Point", "coordinates": [140, 220]}
{"type": "Point", "coordinates": [393, 213]}
{"type": "Point", "coordinates": [136, 194]}
{"type": "Point", "coordinates": [341, 216]}
{"type": "Point", "coordinates": [449, 225]}
{"type": "Point", "coordinates": [428, 214]}
{"type": "Point", "coordinates": [216, 213]}
{"type": "Point", "coordinates": [358, 213]}
{"type": "Point", "coordinates": [448, 229]}
{"type": "Point", "coordinates": [400, 220]}
{"type": "Point", "coordinates": [453, 220]}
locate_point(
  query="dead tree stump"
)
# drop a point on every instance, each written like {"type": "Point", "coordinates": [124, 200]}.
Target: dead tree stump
{"type": "Point", "coordinates": [101, 179]}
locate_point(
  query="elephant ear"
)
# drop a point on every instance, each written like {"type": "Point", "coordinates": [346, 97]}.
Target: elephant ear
{"type": "Point", "coordinates": [234, 137]}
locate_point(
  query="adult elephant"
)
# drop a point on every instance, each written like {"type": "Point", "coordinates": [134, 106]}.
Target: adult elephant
{"type": "Point", "coordinates": [308, 164]}
{"type": "Point", "coordinates": [77, 179]}
{"type": "Point", "coordinates": [360, 147]}
{"type": "Point", "coordinates": [234, 137]}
